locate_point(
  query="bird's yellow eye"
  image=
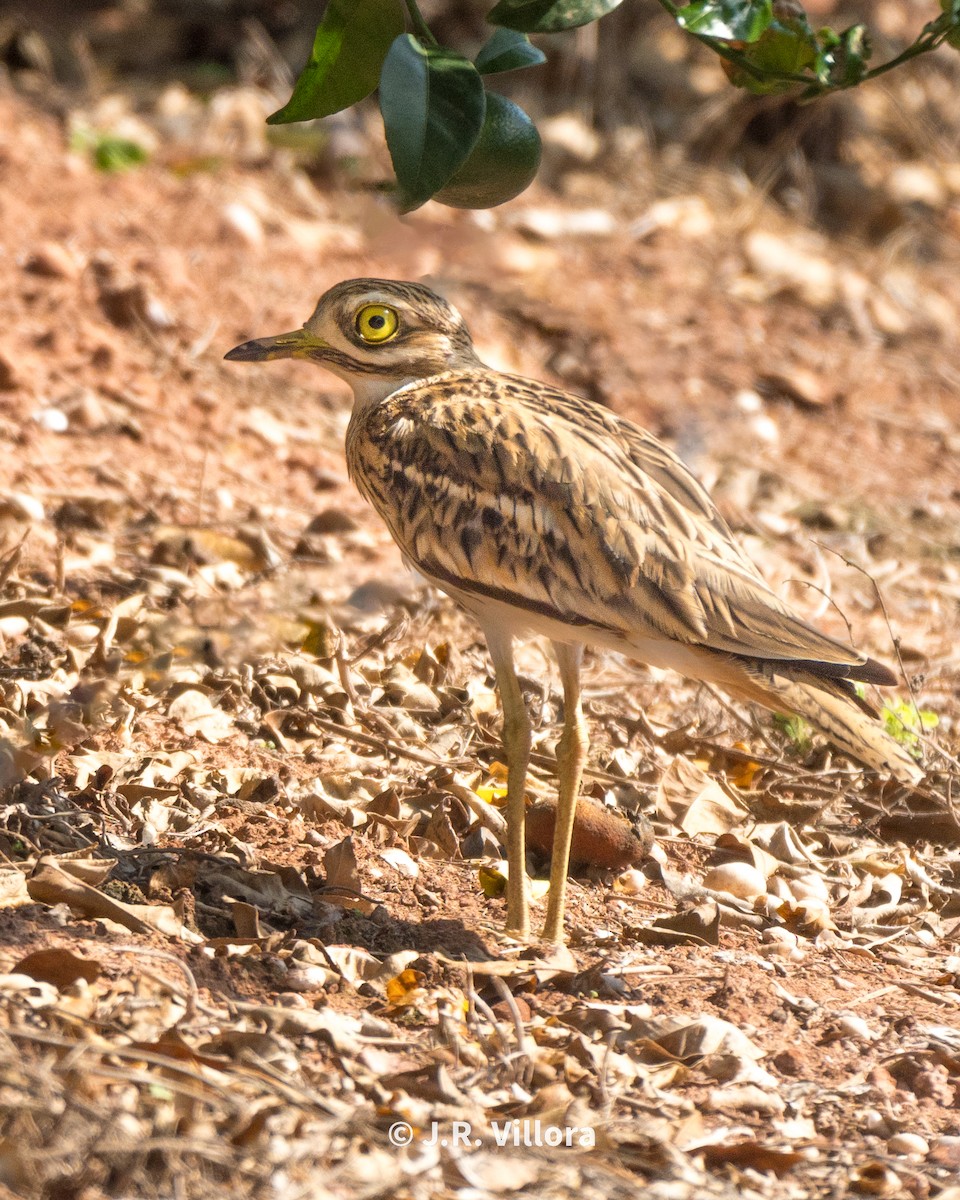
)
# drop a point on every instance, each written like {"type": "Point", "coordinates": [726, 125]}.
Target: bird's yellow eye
{"type": "Point", "coordinates": [376, 322]}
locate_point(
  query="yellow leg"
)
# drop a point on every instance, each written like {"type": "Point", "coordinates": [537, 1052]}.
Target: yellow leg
{"type": "Point", "coordinates": [571, 757]}
{"type": "Point", "coordinates": [516, 743]}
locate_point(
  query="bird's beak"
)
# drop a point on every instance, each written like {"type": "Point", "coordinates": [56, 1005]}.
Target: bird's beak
{"type": "Point", "coordinates": [299, 344]}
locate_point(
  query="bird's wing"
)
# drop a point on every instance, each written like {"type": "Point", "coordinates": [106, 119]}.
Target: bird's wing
{"type": "Point", "coordinates": [506, 488]}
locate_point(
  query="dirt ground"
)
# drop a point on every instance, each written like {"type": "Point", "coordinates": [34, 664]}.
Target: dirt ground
{"type": "Point", "coordinates": [249, 934]}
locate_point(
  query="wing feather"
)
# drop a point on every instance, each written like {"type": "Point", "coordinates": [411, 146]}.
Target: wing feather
{"type": "Point", "coordinates": [504, 487]}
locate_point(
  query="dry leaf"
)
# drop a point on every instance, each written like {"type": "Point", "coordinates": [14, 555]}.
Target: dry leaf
{"type": "Point", "coordinates": [750, 1155]}
{"type": "Point", "coordinates": [59, 967]}
{"type": "Point", "coordinates": [696, 803]}
{"type": "Point", "coordinates": [50, 885]}
{"type": "Point", "coordinates": [698, 926]}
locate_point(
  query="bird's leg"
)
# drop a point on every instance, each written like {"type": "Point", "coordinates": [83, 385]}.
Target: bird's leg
{"type": "Point", "coordinates": [571, 757]}
{"type": "Point", "coordinates": [516, 743]}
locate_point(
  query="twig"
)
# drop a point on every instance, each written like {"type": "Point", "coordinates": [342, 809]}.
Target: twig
{"type": "Point", "coordinates": [478, 1004]}
{"type": "Point", "coordinates": [727, 705]}
{"type": "Point", "coordinates": [830, 603]}
{"type": "Point", "coordinates": [60, 585]}
{"type": "Point", "coordinates": [507, 997]}
{"type": "Point", "coordinates": [424, 32]}
{"type": "Point", "coordinates": [886, 617]}
{"type": "Point", "coordinates": [384, 745]}
{"type": "Point", "coordinates": [12, 561]}
{"type": "Point", "coordinates": [192, 998]}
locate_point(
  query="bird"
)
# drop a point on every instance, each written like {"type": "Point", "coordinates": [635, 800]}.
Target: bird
{"type": "Point", "coordinates": [544, 513]}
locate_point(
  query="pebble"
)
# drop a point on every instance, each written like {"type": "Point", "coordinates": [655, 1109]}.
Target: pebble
{"type": "Point", "coordinates": [874, 1122]}
{"type": "Point", "coordinates": [781, 943]}
{"type": "Point", "coordinates": [945, 1150]}
{"type": "Point", "coordinates": [21, 507]}
{"type": "Point", "coordinates": [124, 298]}
{"type": "Point", "coordinates": [792, 265]}
{"type": "Point", "coordinates": [795, 383]}
{"type": "Point", "coordinates": [9, 376]}
{"type": "Point", "coordinates": [913, 183]}
{"type": "Point", "coordinates": [910, 1144]}
{"type": "Point", "coordinates": [748, 401]}
{"type": "Point", "coordinates": [851, 1026]}
{"type": "Point", "coordinates": [632, 882]}
{"type": "Point", "coordinates": [244, 222]}
{"type": "Point", "coordinates": [52, 419]}
{"type": "Point", "coordinates": [332, 520]}
{"type": "Point", "coordinates": [548, 223]}
{"type": "Point", "coordinates": [765, 429]}
{"type": "Point", "coordinates": [53, 261]}
{"type": "Point", "coordinates": [742, 880]}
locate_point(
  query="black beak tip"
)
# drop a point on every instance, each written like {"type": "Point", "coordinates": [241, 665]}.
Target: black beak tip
{"type": "Point", "coordinates": [241, 353]}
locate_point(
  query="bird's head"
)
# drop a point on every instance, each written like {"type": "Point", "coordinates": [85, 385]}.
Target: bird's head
{"type": "Point", "coordinates": [377, 334]}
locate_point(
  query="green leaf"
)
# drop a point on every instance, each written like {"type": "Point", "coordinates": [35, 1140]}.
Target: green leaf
{"type": "Point", "coordinates": [788, 47]}
{"type": "Point", "coordinates": [795, 729]}
{"type": "Point", "coordinates": [507, 50]}
{"type": "Point", "coordinates": [727, 20]}
{"type": "Point", "coordinates": [348, 52]}
{"type": "Point", "coordinates": [433, 104]}
{"type": "Point", "coordinates": [548, 16]}
{"type": "Point", "coordinates": [905, 722]}
{"type": "Point", "coordinates": [109, 152]}
{"type": "Point", "coordinates": [843, 60]}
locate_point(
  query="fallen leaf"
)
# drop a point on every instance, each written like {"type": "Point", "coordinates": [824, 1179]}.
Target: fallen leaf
{"type": "Point", "coordinates": [58, 966]}
{"type": "Point", "coordinates": [50, 885]}
{"type": "Point", "coordinates": [694, 802]}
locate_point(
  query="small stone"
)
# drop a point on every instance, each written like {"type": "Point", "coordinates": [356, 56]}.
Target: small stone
{"type": "Point", "coordinates": [910, 1144]}
{"type": "Point", "coordinates": [739, 879]}
{"type": "Point", "coordinates": [790, 264]}
{"type": "Point", "coordinates": [573, 135]}
{"type": "Point", "coordinates": [332, 520]}
{"type": "Point", "coordinates": [914, 183]}
{"type": "Point", "coordinates": [52, 419]}
{"type": "Point", "coordinates": [748, 401]}
{"type": "Point", "coordinates": [85, 410]}
{"type": "Point", "coordinates": [125, 299]}
{"type": "Point", "coordinates": [874, 1122]}
{"type": "Point", "coordinates": [244, 222]}
{"type": "Point", "coordinates": [53, 261]}
{"type": "Point", "coordinates": [632, 882]}
{"type": "Point", "coordinates": [945, 1151]}
{"type": "Point", "coordinates": [851, 1026]}
{"type": "Point", "coordinates": [9, 376]}
{"type": "Point", "coordinates": [795, 383]}
{"type": "Point", "coordinates": [765, 429]}
{"type": "Point", "coordinates": [18, 506]}
{"type": "Point", "coordinates": [788, 1062]}
{"type": "Point", "coordinates": [506, 1010]}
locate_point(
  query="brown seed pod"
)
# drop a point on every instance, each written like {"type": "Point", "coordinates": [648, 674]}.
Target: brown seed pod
{"type": "Point", "coordinates": [601, 837]}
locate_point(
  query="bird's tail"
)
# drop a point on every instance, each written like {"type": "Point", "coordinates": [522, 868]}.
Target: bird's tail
{"type": "Point", "coordinates": [830, 704]}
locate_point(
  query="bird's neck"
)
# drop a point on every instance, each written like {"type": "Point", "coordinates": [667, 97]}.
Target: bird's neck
{"type": "Point", "coordinates": [370, 390]}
